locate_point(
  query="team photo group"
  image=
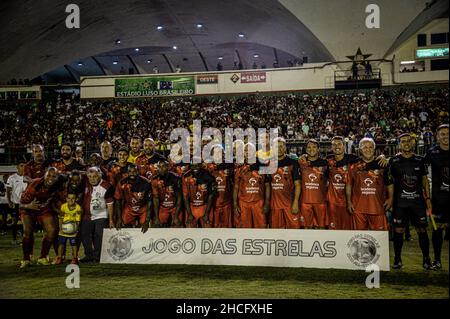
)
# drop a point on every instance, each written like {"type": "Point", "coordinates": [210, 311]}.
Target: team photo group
{"type": "Point", "coordinates": [135, 186]}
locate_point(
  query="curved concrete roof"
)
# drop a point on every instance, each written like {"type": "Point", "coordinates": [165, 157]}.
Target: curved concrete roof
{"type": "Point", "coordinates": [34, 39]}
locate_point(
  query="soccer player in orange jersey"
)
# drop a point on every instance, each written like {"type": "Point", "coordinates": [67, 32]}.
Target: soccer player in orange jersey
{"type": "Point", "coordinates": [199, 189]}
{"type": "Point", "coordinates": [119, 170]}
{"type": "Point", "coordinates": [366, 187]}
{"type": "Point", "coordinates": [251, 195]}
{"type": "Point", "coordinates": [167, 196]}
{"type": "Point", "coordinates": [314, 178]}
{"type": "Point", "coordinates": [222, 212]}
{"type": "Point", "coordinates": [285, 190]}
{"type": "Point", "coordinates": [133, 197]}
{"type": "Point", "coordinates": [148, 161]}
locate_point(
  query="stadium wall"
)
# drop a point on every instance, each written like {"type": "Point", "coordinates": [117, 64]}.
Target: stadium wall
{"type": "Point", "coordinates": [309, 77]}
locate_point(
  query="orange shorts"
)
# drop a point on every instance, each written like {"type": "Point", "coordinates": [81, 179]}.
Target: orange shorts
{"type": "Point", "coordinates": [369, 222]}
{"type": "Point", "coordinates": [129, 216]}
{"type": "Point", "coordinates": [340, 218]}
{"type": "Point", "coordinates": [222, 216]}
{"type": "Point", "coordinates": [197, 212]}
{"type": "Point", "coordinates": [252, 215]}
{"type": "Point", "coordinates": [166, 214]}
{"type": "Point", "coordinates": [283, 218]}
{"type": "Point", "coordinates": [314, 215]}
{"type": "Point", "coordinates": [36, 216]}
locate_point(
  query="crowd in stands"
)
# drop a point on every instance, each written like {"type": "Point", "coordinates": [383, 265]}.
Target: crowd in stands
{"type": "Point", "coordinates": [380, 114]}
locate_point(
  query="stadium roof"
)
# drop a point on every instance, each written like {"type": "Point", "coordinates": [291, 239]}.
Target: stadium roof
{"type": "Point", "coordinates": [34, 39]}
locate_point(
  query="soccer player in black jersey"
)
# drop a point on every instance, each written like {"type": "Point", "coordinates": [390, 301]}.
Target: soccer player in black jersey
{"type": "Point", "coordinates": [411, 199]}
{"type": "Point", "coordinates": [437, 157]}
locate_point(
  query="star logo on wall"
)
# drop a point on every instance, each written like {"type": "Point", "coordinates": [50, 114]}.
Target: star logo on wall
{"type": "Point", "coordinates": [359, 57]}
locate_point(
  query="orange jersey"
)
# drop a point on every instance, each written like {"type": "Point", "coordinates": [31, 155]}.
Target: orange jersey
{"type": "Point", "coordinates": [147, 166]}
{"type": "Point", "coordinates": [135, 195]}
{"type": "Point", "coordinates": [251, 183]}
{"type": "Point", "coordinates": [166, 188]}
{"type": "Point", "coordinates": [223, 173]}
{"type": "Point", "coordinates": [314, 178]}
{"type": "Point", "coordinates": [63, 168]}
{"type": "Point", "coordinates": [36, 170]}
{"type": "Point", "coordinates": [179, 169]}
{"type": "Point", "coordinates": [282, 184]}
{"type": "Point", "coordinates": [368, 181]}
{"type": "Point", "coordinates": [198, 188]}
{"type": "Point", "coordinates": [338, 171]}
{"type": "Point", "coordinates": [116, 173]}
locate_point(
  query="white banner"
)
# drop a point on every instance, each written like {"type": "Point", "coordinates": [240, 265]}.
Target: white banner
{"type": "Point", "coordinates": [247, 247]}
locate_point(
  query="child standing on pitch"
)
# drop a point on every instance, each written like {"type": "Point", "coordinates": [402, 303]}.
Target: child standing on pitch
{"type": "Point", "coordinates": [69, 224]}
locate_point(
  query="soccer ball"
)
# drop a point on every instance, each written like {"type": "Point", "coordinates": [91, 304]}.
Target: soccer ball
{"type": "Point", "coordinates": [69, 228]}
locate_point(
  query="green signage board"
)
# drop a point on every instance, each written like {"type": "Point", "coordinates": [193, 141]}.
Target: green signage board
{"type": "Point", "coordinates": [155, 86]}
{"type": "Point", "coordinates": [431, 53]}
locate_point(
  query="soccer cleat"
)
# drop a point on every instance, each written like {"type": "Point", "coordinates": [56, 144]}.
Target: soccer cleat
{"type": "Point", "coordinates": [58, 261]}
{"type": "Point", "coordinates": [397, 264]}
{"type": "Point", "coordinates": [25, 264]}
{"type": "Point", "coordinates": [427, 264]}
{"type": "Point", "coordinates": [43, 262]}
{"type": "Point", "coordinates": [437, 264]}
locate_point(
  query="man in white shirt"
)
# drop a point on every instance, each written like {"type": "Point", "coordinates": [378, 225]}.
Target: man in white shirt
{"type": "Point", "coordinates": [98, 207]}
{"type": "Point", "coordinates": [4, 209]}
{"type": "Point", "coordinates": [15, 185]}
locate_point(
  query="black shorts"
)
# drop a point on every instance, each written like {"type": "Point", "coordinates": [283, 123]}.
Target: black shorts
{"type": "Point", "coordinates": [441, 209]}
{"type": "Point", "coordinates": [14, 212]}
{"type": "Point", "coordinates": [415, 214]}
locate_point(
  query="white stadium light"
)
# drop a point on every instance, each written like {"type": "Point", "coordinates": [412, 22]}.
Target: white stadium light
{"type": "Point", "coordinates": [407, 62]}
{"type": "Point", "coordinates": [159, 28]}
{"type": "Point", "coordinates": [115, 62]}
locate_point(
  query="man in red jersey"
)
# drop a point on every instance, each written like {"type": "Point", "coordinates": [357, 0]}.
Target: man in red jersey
{"type": "Point", "coordinates": [199, 189]}
{"type": "Point", "coordinates": [222, 216]}
{"type": "Point", "coordinates": [36, 205]}
{"type": "Point", "coordinates": [366, 187]}
{"type": "Point", "coordinates": [147, 162]}
{"type": "Point", "coordinates": [133, 197]}
{"type": "Point", "coordinates": [67, 163]}
{"type": "Point", "coordinates": [167, 196]}
{"type": "Point", "coordinates": [251, 195]}
{"type": "Point", "coordinates": [314, 179]}
{"type": "Point", "coordinates": [119, 170]}
{"type": "Point", "coordinates": [285, 190]}
{"type": "Point", "coordinates": [37, 166]}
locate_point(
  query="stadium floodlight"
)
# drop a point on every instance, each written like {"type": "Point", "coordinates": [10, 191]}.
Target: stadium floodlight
{"type": "Point", "coordinates": [407, 62]}
{"type": "Point", "coordinates": [256, 55]}
{"type": "Point", "coordinates": [118, 41]}
{"type": "Point", "coordinates": [159, 28]}
{"type": "Point", "coordinates": [199, 25]}
{"type": "Point", "coordinates": [220, 58]}
{"type": "Point", "coordinates": [241, 35]}
{"type": "Point", "coordinates": [115, 62]}
{"type": "Point", "coordinates": [174, 47]}
{"type": "Point", "coordinates": [137, 49]}
{"type": "Point", "coordinates": [149, 61]}
{"type": "Point", "coordinates": [80, 64]}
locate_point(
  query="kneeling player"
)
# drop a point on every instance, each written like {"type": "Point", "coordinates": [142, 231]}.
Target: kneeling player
{"type": "Point", "coordinates": [134, 200]}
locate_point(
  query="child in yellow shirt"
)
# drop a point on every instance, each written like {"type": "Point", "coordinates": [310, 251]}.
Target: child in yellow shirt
{"type": "Point", "coordinates": [71, 216]}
